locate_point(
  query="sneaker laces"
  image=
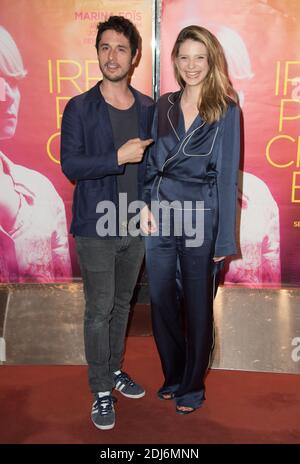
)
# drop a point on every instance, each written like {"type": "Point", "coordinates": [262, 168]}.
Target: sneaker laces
{"type": "Point", "coordinates": [104, 405]}
{"type": "Point", "coordinates": [124, 378]}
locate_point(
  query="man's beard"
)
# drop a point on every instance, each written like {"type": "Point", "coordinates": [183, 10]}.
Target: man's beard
{"type": "Point", "coordinates": [112, 78]}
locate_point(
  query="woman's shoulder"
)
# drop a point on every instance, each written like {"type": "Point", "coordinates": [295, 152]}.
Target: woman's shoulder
{"type": "Point", "coordinates": [233, 106]}
{"type": "Point", "coordinates": [169, 97]}
{"type": "Point", "coordinates": [232, 111]}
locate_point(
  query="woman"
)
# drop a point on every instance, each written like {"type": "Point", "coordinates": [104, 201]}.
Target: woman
{"type": "Point", "coordinates": [194, 164]}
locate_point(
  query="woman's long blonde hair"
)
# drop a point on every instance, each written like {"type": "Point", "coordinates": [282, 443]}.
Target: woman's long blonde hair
{"type": "Point", "coordinates": [216, 91]}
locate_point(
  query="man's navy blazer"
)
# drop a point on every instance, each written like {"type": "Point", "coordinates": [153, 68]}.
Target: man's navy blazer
{"type": "Point", "coordinates": [89, 157]}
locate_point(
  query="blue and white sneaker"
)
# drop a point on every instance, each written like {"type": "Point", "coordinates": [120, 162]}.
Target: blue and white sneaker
{"type": "Point", "coordinates": [125, 385]}
{"type": "Point", "coordinates": [103, 412]}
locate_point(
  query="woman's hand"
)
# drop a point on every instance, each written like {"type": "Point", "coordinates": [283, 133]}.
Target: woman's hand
{"type": "Point", "coordinates": [147, 221]}
{"type": "Point", "coordinates": [217, 259]}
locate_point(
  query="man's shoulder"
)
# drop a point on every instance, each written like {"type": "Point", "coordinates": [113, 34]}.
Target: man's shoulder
{"type": "Point", "coordinates": [93, 94]}
{"type": "Point", "coordinates": [144, 99]}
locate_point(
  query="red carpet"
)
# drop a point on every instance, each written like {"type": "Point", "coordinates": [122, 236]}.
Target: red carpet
{"type": "Point", "coordinates": [51, 404]}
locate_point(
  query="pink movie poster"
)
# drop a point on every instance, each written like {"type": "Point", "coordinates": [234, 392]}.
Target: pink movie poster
{"type": "Point", "coordinates": [47, 55]}
{"type": "Point", "coordinates": [261, 43]}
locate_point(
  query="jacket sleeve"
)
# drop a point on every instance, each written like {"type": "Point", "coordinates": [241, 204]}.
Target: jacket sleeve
{"type": "Point", "coordinates": [76, 164]}
{"type": "Point", "coordinates": [227, 180]}
{"type": "Point", "coordinates": [151, 167]}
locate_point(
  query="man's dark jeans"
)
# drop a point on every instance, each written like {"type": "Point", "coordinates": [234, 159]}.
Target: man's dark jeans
{"type": "Point", "coordinates": [110, 269]}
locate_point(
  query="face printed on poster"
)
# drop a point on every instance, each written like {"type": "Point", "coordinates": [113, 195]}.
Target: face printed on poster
{"type": "Point", "coordinates": [33, 230]}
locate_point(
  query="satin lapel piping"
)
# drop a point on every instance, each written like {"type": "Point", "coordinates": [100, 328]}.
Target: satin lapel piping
{"type": "Point", "coordinates": [168, 115]}
{"type": "Point", "coordinates": [168, 160]}
{"type": "Point", "coordinates": [190, 136]}
{"type": "Point", "coordinates": [183, 142]}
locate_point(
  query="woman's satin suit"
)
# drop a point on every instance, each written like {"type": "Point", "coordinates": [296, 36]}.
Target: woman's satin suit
{"type": "Point", "coordinates": [198, 165]}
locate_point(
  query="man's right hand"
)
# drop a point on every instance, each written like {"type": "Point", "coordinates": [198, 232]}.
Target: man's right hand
{"type": "Point", "coordinates": [132, 151]}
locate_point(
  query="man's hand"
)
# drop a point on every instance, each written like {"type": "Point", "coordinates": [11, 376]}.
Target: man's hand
{"type": "Point", "coordinates": [132, 151]}
{"type": "Point", "coordinates": [147, 221]}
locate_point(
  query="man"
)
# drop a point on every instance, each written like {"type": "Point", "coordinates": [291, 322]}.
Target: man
{"type": "Point", "coordinates": [104, 134]}
{"type": "Point", "coordinates": [33, 228]}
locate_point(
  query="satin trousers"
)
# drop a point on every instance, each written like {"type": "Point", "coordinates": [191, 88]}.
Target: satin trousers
{"type": "Point", "coordinates": [184, 341]}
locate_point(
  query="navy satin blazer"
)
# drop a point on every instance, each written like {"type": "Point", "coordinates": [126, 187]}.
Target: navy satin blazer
{"type": "Point", "coordinates": [200, 164]}
{"type": "Point", "coordinates": [89, 157]}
